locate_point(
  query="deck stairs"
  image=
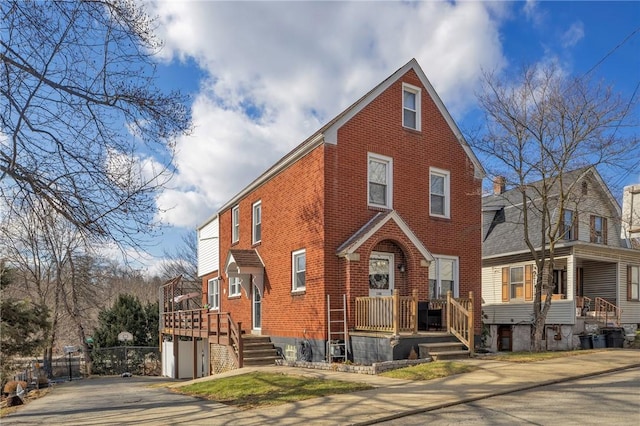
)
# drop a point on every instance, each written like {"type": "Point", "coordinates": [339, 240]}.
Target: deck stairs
{"type": "Point", "coordinates": [258, 350]}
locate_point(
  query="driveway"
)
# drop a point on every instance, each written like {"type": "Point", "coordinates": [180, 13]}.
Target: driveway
{"type": "Point", "coordinates": [116, 400]}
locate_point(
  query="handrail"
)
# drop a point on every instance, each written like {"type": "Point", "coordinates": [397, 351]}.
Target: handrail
{"type": "Point", "coordinates": [393, 314]}
{"type": "Point", "coordinates": [607, 310]}
{"type": "Point", "coordinates": [460, 319]}
{"type": "Point", "coordinates": [217, 327]}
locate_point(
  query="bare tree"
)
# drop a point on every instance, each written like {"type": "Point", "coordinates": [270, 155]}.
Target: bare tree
{"type": "Point", "coordinates": [83, 127]}
{"type": "Point", "coordinates": [539, 128]}
{"type": "Point", "coordinates": [182, 260]}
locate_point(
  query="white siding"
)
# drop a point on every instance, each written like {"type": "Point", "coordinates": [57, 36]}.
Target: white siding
{"type": "Point", "coordinates": [630, 308]}
{"type": "Point", "coordinates": [208, 248]}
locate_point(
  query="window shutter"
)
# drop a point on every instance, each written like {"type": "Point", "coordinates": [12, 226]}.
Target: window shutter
{"type": "Point", "coordinates": [604, 231]}
{"type": "Point", "coordinates": [505, 284]}
{"type": "Point", "coordinates": [528, 283]}
{"type": "Point", "coordinates": [628, 282]}
{"type": "Point", "coordinates": [592, 228]}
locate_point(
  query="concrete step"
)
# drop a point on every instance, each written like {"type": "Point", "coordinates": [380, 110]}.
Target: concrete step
{"type": "Point", "coordinates": [267, 360]}
{"type": "Point", "coordinates": [258, 350]}
{"type": "Point", "coordinates": [443, 350]}
{"type": "Point", "coordinates": [448, 355]}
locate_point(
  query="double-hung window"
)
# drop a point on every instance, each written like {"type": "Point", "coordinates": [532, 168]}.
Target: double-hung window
{"type": "Point", "coordinates": [235, 224]}
{"type": "Point", "coordinates": [257, 222]}
{"type": "Point", "coordinates": [439, 192]}
{"type": "Point", "coordinates": [598, 230]}
{"type": "Point", "coordinates": [633, 282]}
{"type": "Point", "coordinates": [411, 106]}
{"type": "Point", "coordinates": [380, 175]}
{"type": "Point", "coordinates": [299, 268]}
{"type": "Point", "coordinates": [234, 286]}
{"type": "Point", "coordinates": [443, 277]}
{"type": "Point", "coordinates": [214, 294]}
{"type": "Point", "coordinates": [516, 281]}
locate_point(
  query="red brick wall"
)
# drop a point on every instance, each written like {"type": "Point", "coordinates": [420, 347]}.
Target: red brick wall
{"type": "Point", "coordinates": [378, 129]}
{"type": "Point", "coordinates": [292, 206]}
{"type": "Point", "coordinates": [321, 200]}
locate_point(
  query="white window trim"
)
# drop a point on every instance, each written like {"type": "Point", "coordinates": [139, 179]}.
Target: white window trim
{"type": "Point", "coordinates": [294, 255]}
{"type": "Point", "coordinates": [253, 221]}
{"type": "Point", "coordinates": [417, 91]}
{"type": "Point", "coordinates": [456, 273]}
{"type": "Point", "coordinates": [214, 303]}
{"type": "Point", "coordinates": [389, 161]}
{"type": "Point", "coordinates": [447, 191]}
{"type": "Point", "coordinates": [238, 286]}
{"type": "Point", "coordinates": [235, 224]}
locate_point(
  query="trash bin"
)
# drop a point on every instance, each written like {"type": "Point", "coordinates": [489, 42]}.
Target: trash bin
{"type": "Point", "coordinates": [614, 337]}
{"type": "Point", "coordinates": [599, 341]}
{"type": "Point", "coordinates": [586, 342]}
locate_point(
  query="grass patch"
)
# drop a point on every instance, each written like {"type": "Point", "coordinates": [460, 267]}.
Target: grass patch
{"type": "Point", "coordinates": [535, 356]}
{"type": "Point", "coordinates": [431, 370]}
{"type": "Point", "coordinates": [262, 389]}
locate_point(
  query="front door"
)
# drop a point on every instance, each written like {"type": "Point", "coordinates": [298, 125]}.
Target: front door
{"type": "Point", "coordinates": [380, 274]}
{"type": "Point", "coordinates": [257, 309]}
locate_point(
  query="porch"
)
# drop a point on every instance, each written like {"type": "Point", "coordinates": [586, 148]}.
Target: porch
{"type": "Point", "coordinates": [404, 316]}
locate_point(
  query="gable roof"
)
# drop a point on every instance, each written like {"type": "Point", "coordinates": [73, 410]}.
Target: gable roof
{"type": "Point", "coordinates": [502, 223]}
{"type": "Point", "coordinates": [376, 223]}
{"type": "Point", "coordinates": [328, 133]}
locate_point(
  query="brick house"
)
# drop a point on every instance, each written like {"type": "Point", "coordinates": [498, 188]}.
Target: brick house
{"type": "Point", "coordinates": [365, 224]}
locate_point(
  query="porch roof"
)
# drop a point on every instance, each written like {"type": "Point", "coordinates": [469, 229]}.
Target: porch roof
{"type": "Point", "coordinates": [354, 242]}
{"type": "Point", "coordinates": [243, 264]}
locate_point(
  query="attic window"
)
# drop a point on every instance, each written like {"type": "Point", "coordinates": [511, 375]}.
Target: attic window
{"type": "Point", "coordinates": [410, 106]}
{"type": "Point", "coordinates": [585, 188]}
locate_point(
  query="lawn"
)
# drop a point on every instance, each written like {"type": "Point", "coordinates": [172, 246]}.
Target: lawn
{"type": "Point", "coordinates": [431, 370]}
{"type": "Point", "coordinates": [261, 389]}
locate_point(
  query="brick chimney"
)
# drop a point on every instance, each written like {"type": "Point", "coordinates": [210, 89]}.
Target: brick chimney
{"type": "Point", "coordinates": [499, 185]}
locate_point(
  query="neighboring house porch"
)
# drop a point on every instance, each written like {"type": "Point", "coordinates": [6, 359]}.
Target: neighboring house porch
{"type": "Point", "coordinates": [593, 288]}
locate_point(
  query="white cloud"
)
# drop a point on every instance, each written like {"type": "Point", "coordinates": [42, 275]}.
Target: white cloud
{"type": "Point", "coordinates": [533, 12]}
{"type": "Point", "coordinates": [573, 35]}
{"type": "Point", "coordinates": [277, 71]}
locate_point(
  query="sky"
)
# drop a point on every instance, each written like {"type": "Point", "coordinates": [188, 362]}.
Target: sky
{"type": "Point", "coordinates": [263, 76]}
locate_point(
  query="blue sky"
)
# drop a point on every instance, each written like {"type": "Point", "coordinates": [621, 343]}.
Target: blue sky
{"type": "Point", "coordinates": [265, 75]}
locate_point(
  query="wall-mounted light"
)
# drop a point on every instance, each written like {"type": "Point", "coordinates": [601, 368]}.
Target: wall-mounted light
{"type": "Point", "coordinates": [401, 267]}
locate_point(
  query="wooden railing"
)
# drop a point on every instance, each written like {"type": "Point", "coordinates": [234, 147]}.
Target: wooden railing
{"type": "Point", "coordinates": [217, 327]}
{"type": "Point", "coordinates": [388, 313]}
{"type": "Point", "coordinates": [606, 312]}
{"type": "Point", "coordinates": [460, 319]}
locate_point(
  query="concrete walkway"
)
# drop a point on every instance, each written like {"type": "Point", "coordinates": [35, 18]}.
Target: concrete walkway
{"type": "Point", "coordinates": [390, 398]}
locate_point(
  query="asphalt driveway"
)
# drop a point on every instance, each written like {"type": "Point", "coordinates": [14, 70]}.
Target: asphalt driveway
{"type": "Point", "coordinates": [117, 400]}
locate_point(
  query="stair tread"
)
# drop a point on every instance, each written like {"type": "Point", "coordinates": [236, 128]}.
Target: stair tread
{"type": "Point", "coordinates": [462, 351]}
{"type": "Point", "coordinates": [440, 344]}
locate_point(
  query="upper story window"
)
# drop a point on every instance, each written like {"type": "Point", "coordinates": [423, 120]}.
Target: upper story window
{"type": "Point", "coordinates": [234, 286]}
{"type": "Point", "coordinates": [213, 294]}
{"type": "Point", "coordinates": [299, 268]}
{"type": "Point", "coordinates": [633, 282]}
{"type": "Point", "coordinates": [598, 230]}
{"type": "Point", "coordinates": [439, 185]}
{"type": "Point", "coordinates": [257, 222]}
{"type": "Point", "coordinates": [235, 224]}
{"type": "Point", "coordinates": [410, 106]}
{"type": "Point", "coordinates": [443, 277]}
{"type": "Point", "coordinates": [569, 225]}
{"type": "Point", "coordinates": [380, 189]}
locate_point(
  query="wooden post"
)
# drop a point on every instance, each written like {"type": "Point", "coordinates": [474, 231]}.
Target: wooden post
{"type": "Point", "coordinates": [396, 312]}
{"type": "Point", "coordinates": [240, 346]}
{"type": "Point", "coordinates": [414, 311]}
{"type": "Point", "coordinates": [471, 323]}
{"type": "Point", "coordinates": [195, 357]}
{"type": "Point", "coordinates": [449, 311]}
{"type": "Point", "coordinates": [176, 359]}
